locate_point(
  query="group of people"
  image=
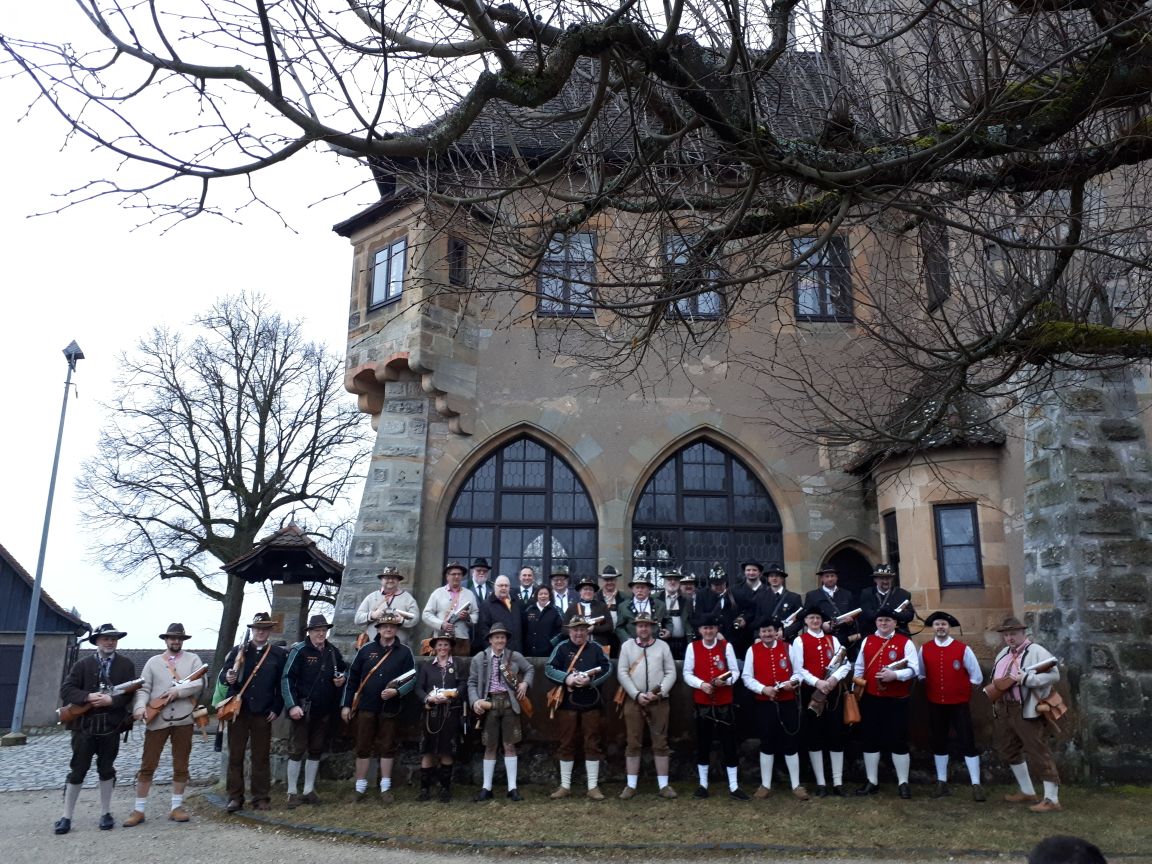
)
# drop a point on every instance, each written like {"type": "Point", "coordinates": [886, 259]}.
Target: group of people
{"type": "Point", "coordinates": [811, 667]}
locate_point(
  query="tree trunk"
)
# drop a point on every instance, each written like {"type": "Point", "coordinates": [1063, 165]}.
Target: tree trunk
{"type": "Point", "coordinates": [229, 620]}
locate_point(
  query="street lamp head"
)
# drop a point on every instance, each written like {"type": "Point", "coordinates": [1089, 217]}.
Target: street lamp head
{"type": "Point", "coordinates": [73, 353]}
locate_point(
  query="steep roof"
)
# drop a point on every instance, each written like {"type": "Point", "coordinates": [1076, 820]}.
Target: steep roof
{"type": "Point", "coordinates": [286, 555]}
{"type": "Point", "coordinates": [14, 607]}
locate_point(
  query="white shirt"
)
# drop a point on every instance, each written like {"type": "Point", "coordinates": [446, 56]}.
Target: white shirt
{"type": "Point", "coordinates": [796, 654]}
{"type": "Point", "coordinates": [970, 665]}
{"type": "Point", "coordinates": [690, 665]}
{"type": "Point", "coordinates": [748, 676]}
{"type": "Point", "coordinates": [909, 672]}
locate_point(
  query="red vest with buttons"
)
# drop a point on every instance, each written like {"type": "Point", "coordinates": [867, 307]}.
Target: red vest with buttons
{"type": "Point", "coordinates": [877, 654]}
{"type": "Point", "coordinates": [771, 666]}
{"type": "Point", "coordinates": [945, 677]}
{"type": "Point", "coordinates": [710, 662]}
{"type": "Point", "coordinates": [817, 653]}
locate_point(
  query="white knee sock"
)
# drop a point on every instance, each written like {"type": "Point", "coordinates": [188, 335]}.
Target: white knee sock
{"type": "Point", "coordinates": [592, 769]}
{"type": "Point", "coordinates": [490, 772]}
{"type": "Point", "coordinates": [566, 773]}
{"type": "Point", "coordinates": [294, 767]}
{"type": "Point", "coordinates": [702, 774]}
{"type": "Point", "coordinates": [510, 765]}
{"type": "Point", "coordinates": [362, 785]}
{"type": "Point", "coordinates": [872, 767]}
{"type": "Point", "coordinates": [766, 770]}
{"type": "Point", "coordinates": [733, 782]}
{"type": "Point", "coordinates": [634, 781]}
{"type": "Point", "coordinates": [973, 763]}
{"type": "Point", "coordinates": [661, 780]}
{"type": "Point", "coordinates": [1052, 792]}
{"type": "Point", "coordinates": [816, 757]}
{"type": "Point", "coordinates": [140, 804]}
{"type": "Point", "coordinates": [901, 762]}
{"type": "Point", "coordinates": [837, 767]}
{"type": "Point", "coordinates": [385, 784]}
{"type": "Point", "coordinates": [71, 795]}
{"type": "Point", "coordinates": [311, 769]}
{"type": "Point", "coordinates": [106, 787]}
{"type": "Point", "coordinates": [1020, 771]}
{"type": "Point", "coordinates": [793, 763]}
{"type": "Point", "coordinates": [941, 767]}
{"type": "Point", "coordinates": [177, 801]}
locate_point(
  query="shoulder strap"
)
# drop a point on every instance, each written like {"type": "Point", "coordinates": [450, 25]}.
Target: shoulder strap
{"type": "Point", "coordinates": [576, 657]}
{"type": "Point", "coordinates": [255, 671]}
{"type": "Point", "coordinates": [371, 672]}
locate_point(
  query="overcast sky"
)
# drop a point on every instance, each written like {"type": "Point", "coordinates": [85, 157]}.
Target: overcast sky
{"type": "Point", "coordinates": [88, 275]}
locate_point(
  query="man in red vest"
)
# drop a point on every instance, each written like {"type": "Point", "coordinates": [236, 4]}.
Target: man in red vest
{"type": "Point", "coordinates": [710, 669]}
{"type": "Point", "coordinates": [949, 670]}
{"type": "Point", "coordinates": [887, 664]}
{"type": "Point", "coordinates": [812, 655]}
{"type": "Point", "coordinates": [768, 674]}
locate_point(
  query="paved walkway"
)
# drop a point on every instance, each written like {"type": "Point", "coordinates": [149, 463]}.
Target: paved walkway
{"type": "Point", "coordinates": [42, 763]}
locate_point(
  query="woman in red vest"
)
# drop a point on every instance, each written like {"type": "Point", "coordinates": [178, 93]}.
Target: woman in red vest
{"type": "Point", "coordinates": [884, 707]}
{"type": "Point", "coordinates": [710, 670]}
{"type": "Point", "coordinates": [950, 671]}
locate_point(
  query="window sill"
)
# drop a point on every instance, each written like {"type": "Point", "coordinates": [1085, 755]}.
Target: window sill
{"type": "Point", "coordinates": [541, 313]}
{"type": "Point", "coordinates": [825, 319]}
{"type": "Point", "coordinates": [392, 301]}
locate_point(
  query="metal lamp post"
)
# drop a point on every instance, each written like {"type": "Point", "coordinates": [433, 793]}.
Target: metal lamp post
{"type": "Point", "coordinates": [16, 736]}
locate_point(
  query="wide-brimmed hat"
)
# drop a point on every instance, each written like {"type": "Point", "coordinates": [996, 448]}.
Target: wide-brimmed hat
{"type": "Point", "coordinates": [559, 570]}
{"type": "Point", "coordinates": [717, 576]}
{"type": "Point", "coordinates": [442, 637]}
{"type": "Point", "coordinates": [814, 610]}
{"type": "Point", "coordinates": [609, 572]}
{"type": "Point", "coordinates": [497, 629]}
{"type": "Point", "coordinates": [775, 569]}
{"type": "Point", "coordinates": [883, 571]}
{"type": "Point", "coordinates": [578, 621]}
{"type": "Point", "coordinates": [262, 621]}
{"type": "Point", "coordinates": [389, 617]}
{"type": "Point", "coordinates": [672, 574]}
{"type": "Point", "coordinates": [106, 630]}
{"type": "Point", "coordinates": [318, 622]}
{"type": "Point", "coordinates": [751, 562]}
{"type": "Point", "coordinates": [711, 620]}
{"type": "Point", "coordinates": [641, 579]}
{"type": "Point", "coordinates": [941, 616]}
{"type": "Point", "coordinates": [175, 631]}
{"type": "Point", "coordinates": [644, 618]}
{"type": "Point", "coordinates": [454, 565]}
{"type": "Point", "coordinates": [1011, 623]}
{"type": "Point", "coordinates": [826, 568]}
{"type": "Point", "coordinates": [587, 581]}
{"type": "Point", "coordinates": [390, 573]}
{"type": "Point", "coordinates": [480, 562]}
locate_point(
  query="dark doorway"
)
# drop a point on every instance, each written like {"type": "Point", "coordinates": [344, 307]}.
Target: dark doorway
{"type": "Point", "coordinates": [855, 570]}
{"type": "Point", "coordinates": [9, 677]}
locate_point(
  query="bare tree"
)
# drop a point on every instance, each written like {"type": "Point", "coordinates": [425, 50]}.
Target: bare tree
{"type": "Point", "coordinates": [211, 441]}
{"type": "Point", "coordinates": [977, 168]}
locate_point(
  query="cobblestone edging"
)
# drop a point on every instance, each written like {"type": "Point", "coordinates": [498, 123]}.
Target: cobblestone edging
{"type": "Point", "coordinates": [42, 763]}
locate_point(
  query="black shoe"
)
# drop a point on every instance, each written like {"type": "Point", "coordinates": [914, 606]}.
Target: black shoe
{"type": "Point", "coordinates": [701, 792]}
{"type": "Point", "coordinates": [63, 825]}
{"type": "Point", "coordinates": [425, 794]}
{"type": "Point", "coordinates": [978, 794]}
{"type": "Point", "coordinates": [905, 791]}
{"type": "Point", "coordinates": [821, 792]}
{"type": "Point", "coordinates": [484, 795]}
{"type": "Point", "coordinates": [106, 823]}
{"type": "Point", "coordinates": [514, 795]}
{"type": "Point", "coordinates": [941, 790]}
{"type": "Point", "coordinates": [840, 791]}
{"type": "Point", "coordinates": [739, 794]}
{"type": "Point", "coordinates": [868, 788]}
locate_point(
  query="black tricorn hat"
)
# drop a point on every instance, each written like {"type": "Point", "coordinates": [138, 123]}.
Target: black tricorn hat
{"type": "Point", "coordinates": [708, 621]}
{"type": "Point", "coordinates": [941, 616]}
{"type": "Point", "coordinates": [175, 631]}
{"type": "Point", "coordinates": [886, 611]}
{"type": "Point", "coordinates": [106, 630]}
{"type": "Point", "coordinates": [318, 622]}
{"type": "Point", "coordinates": [772, 622]}
{"type": "Point", "coordinates": [813, 610]}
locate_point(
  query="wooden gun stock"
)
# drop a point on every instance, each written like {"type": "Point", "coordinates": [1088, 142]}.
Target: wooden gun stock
{"type": "Point", "coordinates": [996, 689]}
{"type": "Point", "coordinates": [68, 713]}
{"type": "Point", "coordinates": [157, 703]}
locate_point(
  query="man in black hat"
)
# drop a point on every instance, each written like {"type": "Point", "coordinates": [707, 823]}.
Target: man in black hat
{"type": "Point", "coordinates": [949, 671]}
{"type": "Point", "coordinates": [675, 633]}
{"type": "Point", "coordinates": [711, 670]}
{"type": "Point", "coordinates": [884, 592]}
{"type": "Point", "coordinates": [478, 579]}
{"type": "Point", "coordinates": [498, 679]}
{"type": "Point", "coordinates": [92, 685]}
{"type": "Point", "coordinates": [175, 680]}
{"type": "Point", "coordinates": [252, 671]}
{"type": "Point", "coordinates": [836, 604]}
{"type": "Point", "coordinates": [640, 601]}
{"type": "Point", "coordinates": [817, 657]}
{"type": "Point", "coordinates": [777, 603]}
{"type": "Point", "coordinates": [747, 596]}
{"type": "Point", "coordinates": [614, 600]}
{"type": "Point", "coordinates": [314, 675]}
{"type": "Point", "coordinates": [717, 602]}
{"type": "Point", "coordinates": [503, 609]}
{"type": "Point", "coordinates": [452, 609]}
{"type": "Point", "coordinates": [378, 682]}
{"type": "Point", "coordinates": [579, 666]}
{"type": "Point", "coordinates": [563, 594]}
{"type": "Point", "coordinates": [390, 598]}
{"type": "Point", "coordinates": [590, 607]}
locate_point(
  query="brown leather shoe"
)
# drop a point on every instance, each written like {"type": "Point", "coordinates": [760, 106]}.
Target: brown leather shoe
{"type": "Point", "coordinates": [293, 801]}
{"type": "Point", "coordinates": [667, 792]}
{"type": "Point", "coordinates": [386, 796]}
{"type": "Point", "coordinates": [1021, 798]}
{"type": "Point", "coordinates": [311, 798]}
{"type": "Point", "coordinates": [134, 819]}
{"type": "Point", "coordinates": [1046, 806]}
{"type": "Point", "coordinates": [627, 792]}
{"type": "Point", "coordinates": [801, 794]}
{"type": "Point", "coordinates": [561, 792]}
{"type": "Point", "coordinates": [179, 814]}
{"type": "Point", "coordinates": [233, 805]}
{"type": "Point", "coordinates": [595, 794]}
{"type": "Point", "coordinates": [762, 793]}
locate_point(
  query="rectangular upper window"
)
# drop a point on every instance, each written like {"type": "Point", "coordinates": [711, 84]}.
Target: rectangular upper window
{"type": "Point", "coordinates": [688, 273]}
{"type": "Point", "coordinates": [934, 252]}
{"type": "Point", "coordinates": [388, 273]}
{"type": "Point", "coordinates": [457, 262]}
{"type": "Point", "coordinates": [958, 557]}
{"type": "Point", "coordinates": [567, 272]}
{"type": "Point", "coordinates": [823, 283]}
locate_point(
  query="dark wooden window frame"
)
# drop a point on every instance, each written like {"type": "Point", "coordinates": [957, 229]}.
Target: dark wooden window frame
{"type": "Point", "coordinates": [390, 250]}
{"type": "Point", "coordinates": [832, 277]}
{"type": "Point", "coordinates": [934, 248]}
{"type": "Point", "coordinates": [457, 262]}
{"type": "Point", "coordinates": [973, 510]}
{"type": "Point", "coordinates": [560, 270]}
{"type": "Point", "coordinates": [676, 310]}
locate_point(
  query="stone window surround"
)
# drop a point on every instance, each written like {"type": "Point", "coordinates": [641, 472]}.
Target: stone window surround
{"type": "Point", "coordinates": [972, 507]}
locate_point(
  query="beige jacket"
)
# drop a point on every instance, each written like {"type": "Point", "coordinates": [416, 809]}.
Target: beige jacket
{"type": "Point", "coordinates": [158, 680]}
{"type": "Point", "coordinates": [1036, 685]}
{"type": "Point", "coordinates": [402, 601]}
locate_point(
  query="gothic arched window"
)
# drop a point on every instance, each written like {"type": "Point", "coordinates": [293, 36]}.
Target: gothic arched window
{"type": "Point", "coordinates": [704, 506]}
{"type": "Point", "coordinates": [523, 506]}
